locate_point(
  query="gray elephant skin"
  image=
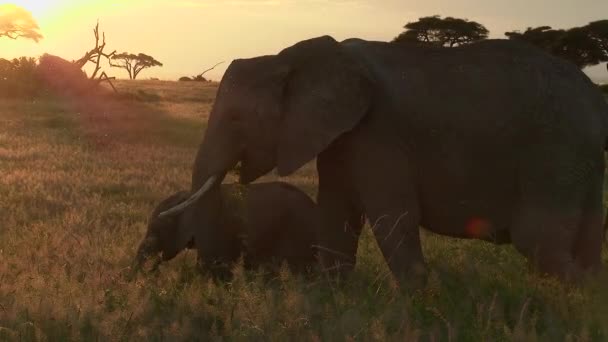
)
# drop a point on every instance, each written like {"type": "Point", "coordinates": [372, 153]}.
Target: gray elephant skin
{"type": "Point", "coordinates": [496, 141]}
{"type": "Point", "coordinates": [266, 223]}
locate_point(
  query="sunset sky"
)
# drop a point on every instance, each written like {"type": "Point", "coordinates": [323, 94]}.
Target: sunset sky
{"type": "Point", "coordinates": [190, 35]}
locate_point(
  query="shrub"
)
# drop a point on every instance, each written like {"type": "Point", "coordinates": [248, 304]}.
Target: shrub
{"type": "Point", "coordinates": [62, 77]}
{"type": "Point", "coordinates": [18, 77]}
{"type": "Point", "coordinates": [198, 78]}
{"type": "Point", "coordinates": [29, 77]}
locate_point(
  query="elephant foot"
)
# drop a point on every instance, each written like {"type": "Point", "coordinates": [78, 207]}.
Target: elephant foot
{"type": "Point", "coordinates": [414, 278]}
{"type": "Point", "coordinates": [561, 267]}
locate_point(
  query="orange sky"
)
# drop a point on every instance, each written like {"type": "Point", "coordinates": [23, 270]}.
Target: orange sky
{"type": "Point", "coordinates": [190, 35]}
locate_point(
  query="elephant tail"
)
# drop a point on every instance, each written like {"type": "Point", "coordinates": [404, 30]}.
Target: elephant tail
{"type": "Point", "coordinates": [605, 121]}
{"type": "Point", "coordinates": [606, 150]}
{"type": "Point", "coordinates": [605, 126]}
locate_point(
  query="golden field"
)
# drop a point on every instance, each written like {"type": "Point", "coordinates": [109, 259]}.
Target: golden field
{"type": "Point", "coordinates": [79, 177]}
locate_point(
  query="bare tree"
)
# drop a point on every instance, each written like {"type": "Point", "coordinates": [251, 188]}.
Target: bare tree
{"type": "Point", "coordinates": [200, 76]}
{"type": "Point", "coordinates": [133, 63]}
{"type": "Point", "coordinates": [16, 22]}
{"type": "Point", "coordinates": [95, 54]}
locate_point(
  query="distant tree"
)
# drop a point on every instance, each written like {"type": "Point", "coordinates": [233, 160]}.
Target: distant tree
{"type": "Point", "coordinates": [543, 36]}
{"type": "Point", "coordinates": [199, 77]}
{"type": "Point", "coordinates": [576, 44]}
{"type": "Point", "coordinates": [598, 30]}
{"type": "Point", "coordinates": [134, 64]}
{"type": "Point", "coordinates": [16, 22]}
{"type": "Point", "coordinates": [447, 31]}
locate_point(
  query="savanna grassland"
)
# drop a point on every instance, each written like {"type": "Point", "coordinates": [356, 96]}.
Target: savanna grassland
{"type": "Point", "coordinates": [78, 178]}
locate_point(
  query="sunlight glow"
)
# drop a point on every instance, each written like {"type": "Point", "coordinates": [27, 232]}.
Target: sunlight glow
{"type": "Point", "coordinates": [38, 8]}
{"type": "Point", "coordinates": [191, 35]}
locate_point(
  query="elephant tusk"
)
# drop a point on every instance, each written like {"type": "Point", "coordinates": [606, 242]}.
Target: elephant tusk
{"type": "Point", "coordinates": [185, 204]}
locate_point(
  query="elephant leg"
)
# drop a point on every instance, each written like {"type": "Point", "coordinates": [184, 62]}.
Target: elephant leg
{"type": "Point", "coordinates": [559, 223]}
{"type": "Point", "coordinates": [395, 222]}
{"type": "Point", "coordinates": [588, 246]}
{"type": "Point", "coordinates": [217, 247]}
{"type": "Point", "coordinates": [545, 231]}
{"type": "Point", "coordinates": [341, 226]}
{"type": "Point", "coordinates": [341, 218]}
{"type": "Point", "coordinates": [388, 192]}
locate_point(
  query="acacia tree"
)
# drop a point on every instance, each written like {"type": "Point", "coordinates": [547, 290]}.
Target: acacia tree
{"type": "Point", "coordinates": [447, 31]}
{"type": "Point", "coordinates": [579, 45]}
{"type": "Point", "coordinates": [16, 22]}
{"type": "Point", "coordinates": [598, 30]}
{"type": "Point", "coordinates": [543, 36]}
{"type": "Point", "coordinates": [133, 63]}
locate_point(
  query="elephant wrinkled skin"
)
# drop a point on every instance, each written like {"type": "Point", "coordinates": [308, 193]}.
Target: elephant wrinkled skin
{"type": "Point", "coordinates": [496, 141]}
{"type": "Point", "coordinates": [267, 223]}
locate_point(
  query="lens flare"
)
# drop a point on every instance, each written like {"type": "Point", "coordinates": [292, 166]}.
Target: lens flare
{"type": "Point", "coordinates": [477, 227]}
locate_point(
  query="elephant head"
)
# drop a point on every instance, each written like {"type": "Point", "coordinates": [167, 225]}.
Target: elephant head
{"type": "Point", "coordinates": [166, 236]}
{"type": "Point", "coordinates": [281, 111]}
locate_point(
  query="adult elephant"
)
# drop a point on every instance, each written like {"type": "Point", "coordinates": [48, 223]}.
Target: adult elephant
{"type": "Point", "coordinates": [495, 141]}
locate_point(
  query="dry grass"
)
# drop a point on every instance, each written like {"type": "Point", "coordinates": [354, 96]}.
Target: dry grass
{"type": "Point", "coordinates": [78, 179]}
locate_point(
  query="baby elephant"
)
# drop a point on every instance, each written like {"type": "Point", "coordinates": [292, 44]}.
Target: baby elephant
{"type": "Point", "coordinates": [265, 222]}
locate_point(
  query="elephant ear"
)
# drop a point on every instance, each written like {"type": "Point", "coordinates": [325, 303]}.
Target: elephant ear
{"type": "Point", "coordinates": [327, 93]}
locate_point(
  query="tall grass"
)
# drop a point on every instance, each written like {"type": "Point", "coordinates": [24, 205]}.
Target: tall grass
{"type": "Point", "coordinates": [78, 179]}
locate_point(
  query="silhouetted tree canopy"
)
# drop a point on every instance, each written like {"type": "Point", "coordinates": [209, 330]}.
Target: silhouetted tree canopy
{"type": "Point", "coordinates": [583, 46]}
{"type": "Point", "coordinates": [579, 47]}
{"type": "Point", "coordinates": [134, 64]}
{"type": "Point", "coordinates": [447, 31]}
{"type": "Point", "coordinates": [543, 36]}
{"type": "Point", "coordinates": [16, 22]}
{"type": "Point", "coordinates": [598, 30]}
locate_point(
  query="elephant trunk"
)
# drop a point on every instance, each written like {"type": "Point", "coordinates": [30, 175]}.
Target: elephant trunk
{"type": "Point", "coordinates": [210, 168]}
{"type": "Point", "coordinates": [144, 253]}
